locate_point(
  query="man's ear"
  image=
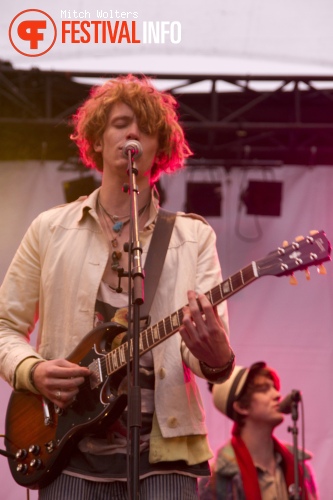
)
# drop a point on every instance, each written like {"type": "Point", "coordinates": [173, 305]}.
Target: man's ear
{"type": "Point", "coordinates": [98, 144]}
{"type": "Point", "coordinates": [239, 409]}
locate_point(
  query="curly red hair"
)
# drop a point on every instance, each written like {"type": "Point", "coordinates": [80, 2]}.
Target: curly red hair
{"type": "Point", "coordinates": [154, 110]}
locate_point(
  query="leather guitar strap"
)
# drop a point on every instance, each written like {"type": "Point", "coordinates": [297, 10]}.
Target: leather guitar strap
{"type": "Point", "coordinates": [156, 257]}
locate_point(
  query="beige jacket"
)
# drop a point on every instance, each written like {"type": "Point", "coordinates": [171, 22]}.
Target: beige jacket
{"type": "Point", "coordinates": [55, 276]}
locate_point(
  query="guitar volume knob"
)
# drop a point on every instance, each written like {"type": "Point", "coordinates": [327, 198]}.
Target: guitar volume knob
{"type": "Point", "coordinates": [22, 468]}
{"type": "Point", "coordinates": [21, 454]}
{"type": "Point", "coordinates": [34, 449]}
{"type": "Point", "coordinates": [36, 463]}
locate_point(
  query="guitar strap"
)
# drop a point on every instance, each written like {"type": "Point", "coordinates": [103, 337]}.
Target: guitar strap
{"type": "Point", "coordinates": [156, 257]}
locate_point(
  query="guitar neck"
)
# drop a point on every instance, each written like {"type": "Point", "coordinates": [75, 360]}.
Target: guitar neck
{"type": "Point", "coordinates": [154, 335]}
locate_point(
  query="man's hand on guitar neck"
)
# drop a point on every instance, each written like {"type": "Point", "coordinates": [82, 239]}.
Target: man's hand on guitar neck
{"type": "Point", "coordinates": [204, 334]}
{"type": "Point", "coordinates": [58, 380]}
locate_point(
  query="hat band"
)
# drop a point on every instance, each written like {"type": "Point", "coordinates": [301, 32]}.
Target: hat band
{"type": "Point", "coordinates": [232, 392]}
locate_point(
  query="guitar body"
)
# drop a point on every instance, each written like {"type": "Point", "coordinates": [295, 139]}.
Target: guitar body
{"type": "Point", "coordinates": [41, 435]}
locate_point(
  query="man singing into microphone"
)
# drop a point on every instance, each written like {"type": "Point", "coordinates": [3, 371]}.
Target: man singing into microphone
{"type": "Point", "coordinates": [254, 465]}
{"type": "Point", "coordinates": [66, 271]}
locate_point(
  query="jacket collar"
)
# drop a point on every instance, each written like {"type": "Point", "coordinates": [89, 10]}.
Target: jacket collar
{"type": "Point", "coordinates": [89, 204]}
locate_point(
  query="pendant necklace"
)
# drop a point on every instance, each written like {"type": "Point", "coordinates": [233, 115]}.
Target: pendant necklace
{"type": "Point", "coordinates": [117, 228]}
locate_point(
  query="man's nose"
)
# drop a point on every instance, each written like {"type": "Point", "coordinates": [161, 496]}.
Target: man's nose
{"type": "Point", "coordinates": [277, 394]}
{"type": "Point", "coordinates": [133, 131]}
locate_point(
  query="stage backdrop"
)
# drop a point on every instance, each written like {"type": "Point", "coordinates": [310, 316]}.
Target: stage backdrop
{"type": "Point", "coordinates": [290, 327]}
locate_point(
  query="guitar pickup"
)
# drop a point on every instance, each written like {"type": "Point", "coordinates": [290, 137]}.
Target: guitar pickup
{"type": "Point", "coordinates": [96, 375]}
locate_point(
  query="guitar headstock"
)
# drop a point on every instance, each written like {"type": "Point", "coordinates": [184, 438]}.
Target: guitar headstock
{"type": "Point", "coordinates": [313, 250]}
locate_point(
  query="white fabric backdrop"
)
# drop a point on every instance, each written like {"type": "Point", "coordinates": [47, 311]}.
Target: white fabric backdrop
{"type": "Point", "coordinates": [289, 327]}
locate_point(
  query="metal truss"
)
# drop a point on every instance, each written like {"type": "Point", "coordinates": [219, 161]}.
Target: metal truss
{"type": "Point", "coordinates": [229, 120]}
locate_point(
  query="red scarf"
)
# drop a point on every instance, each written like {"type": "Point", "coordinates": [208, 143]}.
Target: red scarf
{"type": "Point", "coordinates": [249, 472]}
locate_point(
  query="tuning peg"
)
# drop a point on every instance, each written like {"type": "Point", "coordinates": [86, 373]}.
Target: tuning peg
{"type": "Point", "coordinates": [299, 238]}
{"type": "Point", "coordinates": [322, 269]}
{"type": "Point", "coordinates": [293, 280]}
{"type": "Point", "coordinates": [285, 244]}
{"type": "Point", "coordinates": [313, 232]}
{"type": "Point", "coordinates": [307, 274]}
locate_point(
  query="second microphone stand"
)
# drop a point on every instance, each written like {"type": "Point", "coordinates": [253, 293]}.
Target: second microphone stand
{"type": "Point", "coordinates": [295, 399]}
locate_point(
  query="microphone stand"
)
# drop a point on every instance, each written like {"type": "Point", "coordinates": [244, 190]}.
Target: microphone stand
{"type": "Point", "coordinates": [296, 397]}
{"type": "Point", "coordinates": [135, 301]}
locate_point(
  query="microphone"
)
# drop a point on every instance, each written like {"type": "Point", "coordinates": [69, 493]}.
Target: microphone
{"type": "Point", "coordinates": [134, 147]}
{"type": "Point", "coordinates": [285, 405]}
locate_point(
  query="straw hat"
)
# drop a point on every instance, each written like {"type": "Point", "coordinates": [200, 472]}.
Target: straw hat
{"type": "Point", "coordinates": [226, 393]}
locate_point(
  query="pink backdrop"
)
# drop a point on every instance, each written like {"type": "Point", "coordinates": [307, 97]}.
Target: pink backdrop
{"type": "Point", "coordinates": [288, 326]}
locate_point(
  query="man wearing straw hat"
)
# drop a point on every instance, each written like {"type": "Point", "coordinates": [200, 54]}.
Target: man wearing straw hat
{"type": "Point", "coordinates": [253, 464]}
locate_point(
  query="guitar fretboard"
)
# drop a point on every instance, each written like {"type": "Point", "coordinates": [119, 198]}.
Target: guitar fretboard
{"type": "Point", "coordinates": [159, 332]}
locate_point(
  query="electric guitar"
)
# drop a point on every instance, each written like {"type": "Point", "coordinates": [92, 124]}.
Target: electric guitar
{"type": "Point", "coordinates": [40, 436]}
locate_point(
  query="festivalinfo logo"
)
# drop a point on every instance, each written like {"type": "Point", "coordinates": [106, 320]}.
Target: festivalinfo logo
{"type": "Point", "coordinates": [33, 32]}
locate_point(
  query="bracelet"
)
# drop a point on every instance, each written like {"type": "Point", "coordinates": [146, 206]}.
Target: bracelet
{"type": "Point", "coordinates": [31, 374]}
{"type": "Point", "coordinates": [223, 372]}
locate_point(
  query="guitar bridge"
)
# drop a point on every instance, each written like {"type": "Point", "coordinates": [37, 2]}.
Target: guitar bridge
{"type": "Point", "coordinates": [96, 375]}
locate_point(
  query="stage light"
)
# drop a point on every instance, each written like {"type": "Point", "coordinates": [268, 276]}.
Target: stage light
{"type": "Point", "coordinates": [204, 198]}
{"type": "Point", "coordinates": [263, 198]}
